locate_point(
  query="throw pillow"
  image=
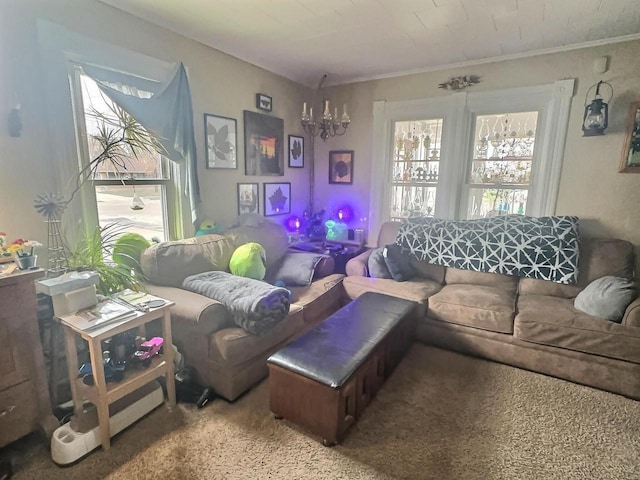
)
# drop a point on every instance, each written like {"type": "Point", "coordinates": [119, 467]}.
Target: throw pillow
{"type": "Point", "coordinates": [606, 297]}
{"type": "Point", "coordinates": [248, 261]}
{"type": "Point", "coordinates": [377, 266]}
{"type": "Point", "coordinates": [398, 262]}
{"type": "Point", "coordinates": [297, 269]}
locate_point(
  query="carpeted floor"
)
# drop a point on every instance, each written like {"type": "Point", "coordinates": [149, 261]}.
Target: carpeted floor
{"type": "Point", "coordinates": [441, 415]}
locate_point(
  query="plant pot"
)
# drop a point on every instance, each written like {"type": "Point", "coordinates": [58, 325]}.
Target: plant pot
{"type": "Point", "coordinates": [25, 263]}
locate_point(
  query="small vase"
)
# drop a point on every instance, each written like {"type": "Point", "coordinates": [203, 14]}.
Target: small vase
{"type": "Point", "coordinates": [25, 263]}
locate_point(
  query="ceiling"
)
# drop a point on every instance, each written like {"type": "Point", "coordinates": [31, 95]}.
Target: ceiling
{"type": "Point", "coordinates": [353, 40]}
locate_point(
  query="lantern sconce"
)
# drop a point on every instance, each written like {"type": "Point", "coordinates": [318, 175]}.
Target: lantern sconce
{"type": "Point", "coordinates": [596, 113]}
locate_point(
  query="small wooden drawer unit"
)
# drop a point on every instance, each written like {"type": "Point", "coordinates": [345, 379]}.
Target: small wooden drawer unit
{"type": "Point", "coordinates": [324, 380]}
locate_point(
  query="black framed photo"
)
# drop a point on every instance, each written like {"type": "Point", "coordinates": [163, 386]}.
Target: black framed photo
{"type": "Point", "coordinates": [263, 102]}
{"type": "Point", "coordinates": [248, 198]}
{"type": "Point", "coordinates": [221, 139]}
{"type": "Point", "coordinates": [341, 166]}
{"type": "Point", "coordinates": [277, 198]}
{"type": "Point", "coordinates": [296, 151]}
{"type": "Point", "coordinates": [263, 144]}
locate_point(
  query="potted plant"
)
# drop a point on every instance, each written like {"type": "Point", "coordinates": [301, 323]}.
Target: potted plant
{"type": "Point", "coordinates": [23, 251]}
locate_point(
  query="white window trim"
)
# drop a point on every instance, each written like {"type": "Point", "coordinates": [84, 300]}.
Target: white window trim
{"type": "Point", "coordinates": [553, 101]}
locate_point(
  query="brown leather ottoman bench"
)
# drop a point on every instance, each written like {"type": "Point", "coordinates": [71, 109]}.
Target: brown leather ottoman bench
{"type": "Point", "coordinates": [323, 380]}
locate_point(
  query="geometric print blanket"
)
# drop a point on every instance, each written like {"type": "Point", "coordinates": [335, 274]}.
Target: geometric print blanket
{"type": "Point", "coordinates": [535, 247]}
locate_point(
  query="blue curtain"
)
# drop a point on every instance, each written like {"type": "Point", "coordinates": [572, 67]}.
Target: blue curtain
{"type": "Point", "coordinates": [164, 108]}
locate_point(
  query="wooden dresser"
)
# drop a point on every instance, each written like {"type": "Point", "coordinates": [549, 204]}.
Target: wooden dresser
{"type": "Point", "coordinates": [24, 393]}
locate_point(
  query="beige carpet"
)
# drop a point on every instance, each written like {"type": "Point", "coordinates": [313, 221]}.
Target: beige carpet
{"type": "Point", "coordinates": [441, 415]}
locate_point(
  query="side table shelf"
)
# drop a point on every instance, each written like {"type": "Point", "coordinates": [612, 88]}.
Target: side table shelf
{"type": "Point", "coordinates": [102, 394]}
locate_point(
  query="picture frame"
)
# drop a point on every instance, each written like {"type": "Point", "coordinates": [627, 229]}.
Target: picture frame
{"type": "Point", "coordinates": [221, 141]}
{"type": "Point", "coordinates": [341, 167]}
{"type": "Point", "coordinates": [277, 198]}
{"type": "Point", "coordinates": [263, 144]}
{"type": "Point", "coordinates": [264, 102]}
{"type": "Point", "coordinates": [630, 161]}
{"type": "Point", "coordinates": [296, 151]}
{"type": "Point", "coordinates": [248, 198]}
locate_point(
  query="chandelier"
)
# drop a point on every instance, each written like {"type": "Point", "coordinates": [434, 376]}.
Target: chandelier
{"type": "Point", "coordinates": [327, 125]}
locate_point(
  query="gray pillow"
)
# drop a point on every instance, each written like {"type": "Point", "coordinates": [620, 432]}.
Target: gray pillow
{"type": "Point", "coordinates": [377, 265]}
{"type": "Point", "coordinates": [606, 297]}
{"type": "Point", "coordinates": [398, 262]}
{"type": "Point", "coordinates": [297, 269]}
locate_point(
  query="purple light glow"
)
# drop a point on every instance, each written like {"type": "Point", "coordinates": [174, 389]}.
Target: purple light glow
{"type": "Point", "coordinates": [292, 224]}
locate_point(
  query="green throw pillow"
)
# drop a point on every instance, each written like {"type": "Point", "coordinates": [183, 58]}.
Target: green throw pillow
{"type": "Point", "coordinates": [248, 261]}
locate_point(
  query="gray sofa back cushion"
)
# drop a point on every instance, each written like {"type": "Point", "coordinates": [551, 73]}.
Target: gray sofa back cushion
{"type": "Point", "coordinates": [607, 297]}
{"type": "Point", "coordinates": [169, 263]}
{"type": "Point", "coordinates": [272, 236]}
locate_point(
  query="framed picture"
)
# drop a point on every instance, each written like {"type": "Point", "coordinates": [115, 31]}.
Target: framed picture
{"type": "Point", "coordinates": [248, 198]}
{"type": "Point", "coordinates": [263, 102]}
{"type": "Point", "coordinates": [277, 198]}
{"type": "Point", "coordinates": [341, 166]}
{"type": "Point", "coordinates": [221, 139]}
{"type": "Point", "coordinates": [263, 144]}
{"type": "Point", "coordinates": [296, 151]}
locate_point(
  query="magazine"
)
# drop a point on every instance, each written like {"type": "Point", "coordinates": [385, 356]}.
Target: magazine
{"type": "Point", "coordinates": [105, 312]}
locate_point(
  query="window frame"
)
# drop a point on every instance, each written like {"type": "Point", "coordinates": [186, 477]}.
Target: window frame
{"type": "Point", "coordinates": [89, 209]}
{"type": "Point", "coordinates": [552, 101]}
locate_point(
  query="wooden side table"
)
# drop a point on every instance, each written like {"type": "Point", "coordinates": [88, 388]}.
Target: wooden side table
{"type": "Point", "coordinates": [102, 394]}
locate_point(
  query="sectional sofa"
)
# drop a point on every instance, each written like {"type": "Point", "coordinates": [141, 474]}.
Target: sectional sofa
{"type": "Point", "coordinates": [522, 322]}
{"type": "Point", "coordinates": [225, 356]}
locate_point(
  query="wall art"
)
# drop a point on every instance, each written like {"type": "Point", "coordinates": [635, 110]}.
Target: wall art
{"type": "Point", "coordinates": [277, 198]}
{"type": "Point", "coordinates": [248, 198]}
{"type": "Point", "coordinates": [296, 151]}
{"type": "Point", "coordinates": [221, 139]}
{"type": "Point", "coordinates": [341, 166]}
{"type": "Point", "coordinates": [263, 144]}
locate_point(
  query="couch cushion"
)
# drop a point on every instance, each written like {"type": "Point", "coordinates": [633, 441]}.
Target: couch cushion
{"type": "Point", "coordinates": [296, 269]}
{"type": "Point", "coordinates": [236, 345]}
{"type": "Point", "coordinates": [554, 321]}
{"type": "Point", "coordinates": [455, 276]}
{"type": "Point", "coordinates": [428, 270]}
{"type": "Point", "coordinates": [417, 290]}
{"type": "Point", "coordinates": [376, 264]}
{"type": "Point", "coordinates": [272, 237]}
{"type": "Point", "coordinates": [169, 263]}
{"type": "Point", "coordinates": [607, 297]}
{"type": "Point", "coordinates": [398, 263]}
{"type": "Point", "coordinates": [599, 257]}
{"type": "Point", "coordinates": [478, 306]}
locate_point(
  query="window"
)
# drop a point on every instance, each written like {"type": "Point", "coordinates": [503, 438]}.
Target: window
{"type": "Point", "coordinates": [469, 155]}
{"type": "Point", "coordinates": [135, 192]}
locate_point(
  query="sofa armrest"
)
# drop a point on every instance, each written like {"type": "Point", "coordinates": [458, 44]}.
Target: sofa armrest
{"type": "Point", "coordinates": [632, 314]}
{"type": "Point", "coordinates": [359, 266]}
{"type": "Point", "coordinates": [197, 311]}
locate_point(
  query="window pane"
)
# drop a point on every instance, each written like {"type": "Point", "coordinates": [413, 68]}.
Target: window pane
{"type": "Point", "coordinates": [502, 157]}
{"type": "Point", "coordinates": [115, 205]}
{"type": "Point", "coordinates": [490, 202]}
{"type": "Point", "coordinates": [416, 160]}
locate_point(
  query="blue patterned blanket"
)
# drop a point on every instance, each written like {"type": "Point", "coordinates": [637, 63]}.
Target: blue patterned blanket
{"type": "Point", "coordinates": [535, 247]}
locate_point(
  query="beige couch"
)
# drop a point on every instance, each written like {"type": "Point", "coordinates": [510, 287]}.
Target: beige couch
{"type": "Point", "coordinates": [226, 357]}
{"type": "Point", "coordinates": [523, 322]}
